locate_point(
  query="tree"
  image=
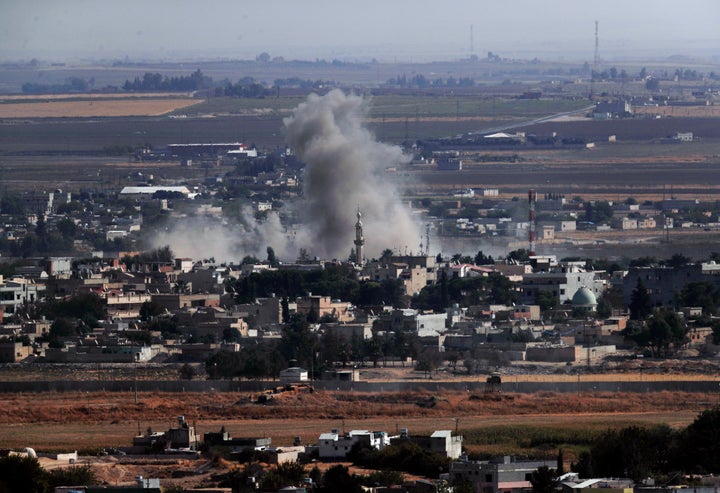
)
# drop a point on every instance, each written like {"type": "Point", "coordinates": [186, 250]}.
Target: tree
{"type": "Point", "coordinates": [271, 258]}
{"type": "Point", "coordinates": [338, 478]}
{"type": "Point", "coordinates": [598, 212]}
{"type": "Point", "coordinates": [383, 478]}
{"type": "Point", "coordinates": [22, 475]}
{"type": "Point", "coordinates": [60, 328]}
{"type": "Point", "coordinates": [482, 259]}
{"type": "Point", "coordinates": [67, 228]}
{"type": "Point", "coordinates": [604, 307]}
{"type": "Point", "coordinates": [583, 466]}
{"type": "Point", "coordinates": [677, 260]}
{"type": "Point", "coordinates": [543, 480]}
{"type": "Point", "coordinates": [546, 300]}
{"type": "Point", "coordinates": [703, 294]}
{"type": "Point", "coordinates": [633, 452]}
{"type": "Point", "coordinates": [664, 331]}
{"type": "Point", "coordinates": [12, 204]}
{"type": "Point", "coordinates": [428, 361]}
{"type": "Point", "coordinates": [283, 475]}
{"type": "Point", "coordinates": [187, 372]}
{"type": "Point", "coordinates": [699, 449]}
{"type": "Point", "coordinates": [149, 309]}
{"type": "Point", "coordinates": [519, 255]}
{"type": "Point", "coordinates": [71, 476]}
{"type": "Point", "coordinates": [297, 340]}
{"type": "Point", "coordinates": [640, 303]}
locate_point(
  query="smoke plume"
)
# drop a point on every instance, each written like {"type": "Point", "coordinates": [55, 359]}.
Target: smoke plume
{"type": "Point", "coordinates": [346, 169]}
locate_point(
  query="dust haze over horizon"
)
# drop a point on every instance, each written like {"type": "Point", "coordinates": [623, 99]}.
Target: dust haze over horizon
{"type": "Point", "coordinates": [402, 30]}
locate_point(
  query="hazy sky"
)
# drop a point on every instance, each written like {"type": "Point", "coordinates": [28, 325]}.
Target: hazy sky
{"type": "Point", "coordinates": [384, 29]}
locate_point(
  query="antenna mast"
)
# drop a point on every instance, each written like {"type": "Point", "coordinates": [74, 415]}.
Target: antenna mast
{"type": "Point", "coordinates": [597, 46]}
{"type": "Point", "coordinates": [595, 62]}
{"type": "Point", "coordinates": [472, 42]}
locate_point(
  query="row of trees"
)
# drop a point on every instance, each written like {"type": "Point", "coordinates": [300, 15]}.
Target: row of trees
{"type": "Point", "coordinates": [339, 282]}
{"type": "Point", "coordinates": [156, 82]}
{"type": "Point", "coordinates": [310, 350]}
{"type": "Point", "coordinates": [71, 84]}
{"type": "Point", "coordinates": [638, 452]}
{"type": "Point", "coordinates": [421, 82]}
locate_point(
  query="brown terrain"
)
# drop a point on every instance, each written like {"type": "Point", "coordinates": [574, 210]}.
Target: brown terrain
{"type": "Point", "coordinates": [90, 421]}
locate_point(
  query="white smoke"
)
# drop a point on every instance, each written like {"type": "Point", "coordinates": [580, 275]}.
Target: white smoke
{"type": "Point", "coordinates": [345, 170]}
{"type": "Point", "coordinates": [203, 237]}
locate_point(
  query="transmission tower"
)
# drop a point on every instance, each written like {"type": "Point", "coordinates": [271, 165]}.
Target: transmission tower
{"type": "Point", "coordinates": [597, 46]}
{"type": "Point", "coordinates": [595, 62]}
{"type": "Point", "coordinates": [472, 42]}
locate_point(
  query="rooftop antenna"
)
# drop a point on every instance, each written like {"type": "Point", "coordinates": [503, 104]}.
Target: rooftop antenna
{"type": "Point", "coordinates": [472, 42]}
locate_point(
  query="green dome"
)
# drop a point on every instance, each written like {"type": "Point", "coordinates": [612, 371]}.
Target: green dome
{"type": "Point", "coordinates": [583, 297]}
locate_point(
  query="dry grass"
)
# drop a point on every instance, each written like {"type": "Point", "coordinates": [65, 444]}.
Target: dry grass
{"type": "Point", "coordinates": [94, 108]}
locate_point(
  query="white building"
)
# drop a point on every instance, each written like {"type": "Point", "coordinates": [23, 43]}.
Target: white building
{"type": "Point", "coordinates": [333, 445]}
{"type": "Point", "coordinates": [18, 291]}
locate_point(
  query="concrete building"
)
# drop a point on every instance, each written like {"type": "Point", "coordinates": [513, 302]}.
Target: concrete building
{"type": "Point", "coordinates": [125, 306]}
{"type": "Point", "coordinates": [223, 439]}
{"type": "Point", "coordinates": [333, 445]}
{"type": "Point", "coordinates": [12, 352]}
{"type": "Point", "coordinates": [663, 283]}
{"type": "Point", "coordinates": [441, 442]}
{"type": "Point", "coordinates": [264, 311]}
{"type": "Point", "coordinates": [173, 302]}
{"type": "Point", "coordinates": [348, 332]}
{"type": "Point", "coordinates": [527, 312]}
{"type": "Point", "coordinates": [182, 437]}
{"type": "Point", "coordinates": [17, 291]}
{"type": "Point", "coordinates": [503, 475]}
{"type": "Point", "coordinates": [316, 307]}
{"type": "Point", "coordinates": [563, 282]}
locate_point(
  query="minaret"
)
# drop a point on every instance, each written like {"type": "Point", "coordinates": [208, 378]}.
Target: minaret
{"type": "Point", "coordinates": [359, 240]}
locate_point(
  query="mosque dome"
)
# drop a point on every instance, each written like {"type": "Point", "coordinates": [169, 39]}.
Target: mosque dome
{"type": "Point", "coordinates": [584, 297]}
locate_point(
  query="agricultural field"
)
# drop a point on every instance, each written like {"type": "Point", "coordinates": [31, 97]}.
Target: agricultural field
{"type": "Point", "coordinates": [91, 107]}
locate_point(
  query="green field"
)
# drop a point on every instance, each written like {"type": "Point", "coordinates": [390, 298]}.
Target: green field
{"type": "Point", "coordinates": [389, 107]}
